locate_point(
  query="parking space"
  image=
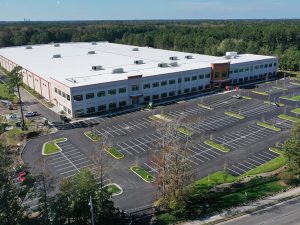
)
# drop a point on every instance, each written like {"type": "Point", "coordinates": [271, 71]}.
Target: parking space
{"type": "Point", "coordinates": [251, 162]}
{"type": "Point", "coordinates": [255, 109]}
{"type": "Point", "coordinates": [281, 123]}
{"type": "Point", "coordinates": [187, 111]}
{"type": "Point", "coordinates": [223, 101]}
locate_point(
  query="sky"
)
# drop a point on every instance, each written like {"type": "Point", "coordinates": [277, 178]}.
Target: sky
{"type": "Point", "coordinates": [40, 10]}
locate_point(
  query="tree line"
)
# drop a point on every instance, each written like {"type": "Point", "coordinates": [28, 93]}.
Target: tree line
{"type": "Point", "coordinates": [268, 37]}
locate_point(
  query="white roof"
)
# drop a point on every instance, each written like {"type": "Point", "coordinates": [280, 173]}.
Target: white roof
{"type": "Point", "coordinates": [75, 62]}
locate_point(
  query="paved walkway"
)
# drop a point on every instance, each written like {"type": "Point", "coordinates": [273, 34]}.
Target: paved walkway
{"type": "Point", "coordinates": [253, 206]}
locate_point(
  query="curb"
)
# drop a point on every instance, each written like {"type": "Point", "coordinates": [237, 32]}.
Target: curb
{"type": "Point", "coordinates": [60, 150]}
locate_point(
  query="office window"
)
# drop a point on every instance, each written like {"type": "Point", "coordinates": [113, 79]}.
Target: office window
{"type": "Point", "coordinates": [217, 74]}
{"type": "Point", "coordinates": [68, 97]}
{"type": "Point", "coordinates": [241, 80]}
{"type": "Point", "coordinates": [179, 80]}
{"type": "Point", "coordinates": [200, 88]}
{"type": "Point", "coordinates": [55, 90]}
{"type": "Point", "coordinates": [187, 79]}
{"type": "Point", "coordinates": [112, 92]}
{"type": "Point", "coordinates": [224, 75]}
{"type": "Point", "coordinates": [164, 83]}
{"type": "Point", "coordinates": [172, 93]}
{"type": "Point", "coordinates": [207, 75]}
{"type": "Point", "coordinates": [135, 87]}
{"type": "Point", "coordinates": [79, 112]}
{"type": "Point", "coordinates": [187, 90]}
{"type": "Point", "coordinates": [179, 92]}
{"type": "Point", "coordinates": [230, 71]}
{"type": "Point", "coordinates": [89, 95]}
{"type": "Point", "coordinates": [147, 99]}
{"type": "Point", "coordinates": [122, 90]}
{"type": "Point", "coordinates": [64, 94]}
{"type": "Point", "coordinates": [101, 94]}
{"type": "Point", "coordinates": [201, 77]}
{"type": "Point", "coordinates": [207, 86]}
{"type": "Point", "coordinates": [155, 84]}
{"type": "Point", "coordinates": [101, 108]}
{"type": "Point", "coordinates": [69, 111]}
{"type": "Point", "coordinates": [246, 79]}
{"type": "Point", "coordinates": [194, 89]}
{"type": "Point", "coordinates": [236, 70]}
{"type": "Point", "coordinates": [146, 86]}
{"type": "Point", "coordinates": [247, 69]}
{"type": "Point", "coordinates": [256, 67]}
{"type": "Point", "coordinates": [270, 65]}
{"type": "Point", "coordinates": [172, 81]}
{"type": "Point", "coordinates": [275, 64]}
{"type": "Point", "coordinates": [261, 66]}
{"type": "Point", "coordinates": [122, 103]}
{"type": "Point", "coordinates": [112, 105]}
{"type": "Point", "coordinates": [155, 97]}
{"type": "Point", "coordinates": [91, 110]}
{"type": "Point", "coordinates": [77, 98]}
{"type": "Point", "coordinates": [266, 65]}
{"type": "Point", "coordinates": [241, 70]}
{"type": "Point", "coordinates": [164, 95]}
{"type": "Point", "coordinates": [59, 92]}
{"type": "Point", "coordinates": [194, 78]}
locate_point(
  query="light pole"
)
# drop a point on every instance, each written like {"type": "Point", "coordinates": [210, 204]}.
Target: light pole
{"type": "Point", "coordinates": [92, 211]}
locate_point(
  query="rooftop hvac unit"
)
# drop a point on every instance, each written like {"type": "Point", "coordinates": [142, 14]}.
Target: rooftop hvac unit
{"type": "Point", "coordinates": [135, 49]}
{"type": "Point", "coordinates": [138, 62]}
{"type": "Point", "coordinates": [174, 64]}
{"type": "Point", "coordinates": [97, 68]}
{"type": "Point", "coordinates": [231, 55]}
{"type": "Point", "coordinates": [173, 58]}
{"type": "Point", "coordinates": [56, 45]}
{"type": "Point", "coordinates": [71, 80]}
{"type": "Point", "coordinates": [188, 56]}
{"type": "Point", "coordinates": [91, 52]}
{"type": "Point", "coordinates": [94, 43]}
{"type": "Point", "coordinates": [56, 56]}
{"type": "Point", "coordinates": [163, 65]}
{"type": "Point", "coordinates": [28, 47]}
{"type": "Point", "coordinates": [118, 70]}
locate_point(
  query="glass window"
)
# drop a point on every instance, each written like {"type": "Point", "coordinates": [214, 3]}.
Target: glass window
{"type": "Point", "coordinates": [172, 93]}
{"type": "Point", "coordinates": [89, 95]}
{"type": "Point", "coordinates": [59, 92]}
{"type": "Point", "coordinates": [68, 97]}
{"type": "Point", "coordinates": [230, 71]}
{"type": "Point", "coordinates": [261, 66]}
{"type": "Point", "coordinates": [201, 77]}
{"type": "Point", "coordinates": [207, 86]}
{"type": "Point", "coordinates": [224, 75]}
{"type": "Point", "coordinates": [69, 111]}
{"type": "Point", "coordinates": [155, 97]}
{"type": "Point", "coordinates": [101, 94]}
{"type": "Point", "coordinates": [194, 89]}
{"type": "Point", "coordinates": [236, 70]}
{"type": "Point", "coordinates": [122, 90]}
{"type": "Point", "coordinates": [217, 74]}
{"type": "Point", "coordinates": [146, 86]}
{"type": "Point", "coordinates": [207, 75]}
{"type": "Point", "coordinates": [187, 90]}
{"type": "Point", "coordinates": [247, 69]}
{"type": "Point", "coordinates": [112, 92]}
{"type": "Point", "coordinates": [194, 77]}
{"type": "Point", "coordinates": [64, 94]}
{"type": "Point", "coordinates": [275, 64]}
{"type": "Point", "coordinates": [77, 98]}
{"type": "Point", "coordinates": [200, 88]}
{"type": "Point", "coordinates": [135, 87]}
{"type": "Point", "coordinates": [241, 70]}
{"type": "Point", "coordinates": [164, 83]}
{"type": "Point", "coordinates": [55, 90]}
{"type": "Point", "coordinates": [79, 112]}
{"type": "Point", "coordinates": [179, 80]}
{"type": "Point", "coordinates": [90, 110]}
{"type": "Point", "coordinates": [179, 92]}
{"type": "Point", "coordinates": [101, 108]}
{"type": "Point", "coordinates": [187, 79]}
{"type": "Point", "coordinates": [172, 81]}
{"type": "Point", "coordinates": [256, 67]}
{"type": "Point", "coordinates": [147, 99]}
{"type": "Point", "coordinates": [122, 103]}
{"type": "Point", "coordinates": [112, 105]}
{"type": "Point", "coordinates": [270, 65]}
{"type": "Point", "coordinates": [164, 95]}
{"type": "Point", "coordinates": [266, 65]}
{"type": "Point", "coordinates": [155, 84]}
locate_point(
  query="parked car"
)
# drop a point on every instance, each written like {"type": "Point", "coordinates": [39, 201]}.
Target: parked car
{"type": "Point", "coordinates": [12, 107]}
{"type": "Point", "coordinates": [22, 176]}
{"type": "Point", "coordinates": [31, 114]}
{"type": "Point", "coordinates": [237, 96]}
{"type": "Point", "coordinates": [65, 119]}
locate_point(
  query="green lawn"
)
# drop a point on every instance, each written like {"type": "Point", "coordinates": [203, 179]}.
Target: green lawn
{"type": "Point", "coordinates": [185, 131]}
{"type": "Point", "coordinates": [235, 115]}
{"type": "Point", "coordinates": [268, 126]}
{"type": "Point", "coordinates": [162, 117]}
{"type": "Point", "coordinates": [246, 97]}
{"type": "Point", "coordinates": [114, 152]}
{"type": "Point", "coordinates": [51, 147]}
{"type": "Point", "coordinates": [294, 98]}
{"type": "Point", "coordinates": [280, 88]}
{"type": "Point", "coordinates": [5, 95]}
{"type": "Point", "coordinates": [205, 107]}
{"type": "Point", "coordinates": [289, 118]}
{"type": "Point", "coordinates": [297, 111]}
{"type": "Point", "coordinates": [92, 136]}
{"type": "Point", "coordinates": [260, 93]}
{"type": "Point", "coordinates": [217, 146]}
{"type": "Point", "coordinates": [277, 150]}
{"type": "Point", "coordinates": [139, 171]}
{"type": "Point", "coordinates": [113, 189]}
{"type": "Point", "coordinates": [268, 102]}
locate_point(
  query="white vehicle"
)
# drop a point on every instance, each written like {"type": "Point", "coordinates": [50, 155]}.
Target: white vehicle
{"type": "Point", "coordinates": [237, 96]}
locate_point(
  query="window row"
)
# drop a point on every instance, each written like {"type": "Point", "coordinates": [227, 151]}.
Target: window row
{"type": "Point", "coordinates": [101, 108]}
{"type": "Point", "coordinates": [246, 69]}
{"type": "Point", "coordinates": [61, 93]}
{"type": "Point", "coordinates": [255, 77]}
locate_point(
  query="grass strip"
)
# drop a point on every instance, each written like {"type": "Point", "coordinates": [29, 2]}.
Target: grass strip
{"type": "Point", "coordinates": [185, 131]}
{"type": "Point", "coordinates": [260, 93]}
{"type": "Point", "coordinates": [162, 117]}
{"type": "Point", "coordinates": [268, 126]}
{"type": "Point", "coordinates": [114, 189]}
{"type": "Point", "coordinates": [297, 111]}
{"type": "Point", "coordinates": [269, 166]}
{"type": "Point", "coordinates": [269, 102]}
{"type": "Point", "coordinates": [276, 150]}
{"type": "Point", "coordinates": [114, 152]}
{"type": "Point", "coordinates": [235, 115]}
{"type": "Point", "coordinates": [6, 95]}
{"type": "Point", "coordinates": [289, 118]}
{"type": "Point", "coordinates": [92, 136]}
{"type": "Point", "coordinates": [246, 97]}
{"type": "Point", "coordinates": [294, 83]}
{"type": "Point", "coordinates": [51, 147]}
{"type": "Point", "coordinates": [280, 88]}
{"type": "Point", "coordinates": [217, 146]}
{"type": "Point", "coordinates": [139, 171]}
{"type": "Point", "coordinates": [205, 107]}
{"type": "Point", "coordinates": [294, 98]}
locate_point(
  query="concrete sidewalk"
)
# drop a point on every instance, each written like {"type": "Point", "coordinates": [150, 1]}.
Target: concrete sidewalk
{"type": "Point", "coordinates": [246, 209]}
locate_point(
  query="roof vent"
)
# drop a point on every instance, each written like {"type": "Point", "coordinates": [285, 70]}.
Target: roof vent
{"type": "Point", "coordinates": [231, 55]}
{"type": "Point", "coordinates": [174, 64]}
{"type": "Point", "coordinates": [56, 56]}
{"type": "Point", "coordinates": [91, 52]}
{"type": "Point", "coordinates": [94, 43]}
{"type": "Point", "coordinates": [56, 45]}
{"type": "Point", "coordinates": [188, 56]}
{"type": "Point", "coordinates": [138, 62]}
{"type": "Point", "coordinates": [118, 70]}
{"type": "Point", "coordinates": [173, 58]}
{"type": "Point", "coordinates": [135, 49]}
{"type": "Point", "coordinates": [95, 68]}
{"type": "Point", "coordinates": [28, 47]}
{"type": "Point", "coordinates": [71, 80]}
{"type": "Point", "coordinates": [163, 65]}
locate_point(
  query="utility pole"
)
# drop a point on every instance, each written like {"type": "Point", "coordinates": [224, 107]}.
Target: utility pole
{"type": "Point", "coordinates": [21, 107]}
{"type": "Point", "coordinates": [92, 211]}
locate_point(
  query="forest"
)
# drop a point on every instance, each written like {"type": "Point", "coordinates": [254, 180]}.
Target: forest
{"type": "Point", "coordinates": [268, 37]}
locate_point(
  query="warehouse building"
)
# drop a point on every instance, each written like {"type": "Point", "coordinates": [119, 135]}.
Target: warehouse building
{"type": "Point", "coordinates": [86, 78]}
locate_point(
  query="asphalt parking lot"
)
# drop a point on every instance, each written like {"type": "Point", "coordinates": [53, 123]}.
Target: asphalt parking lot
{"type": "Point", "coordinates": [135, 136]}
